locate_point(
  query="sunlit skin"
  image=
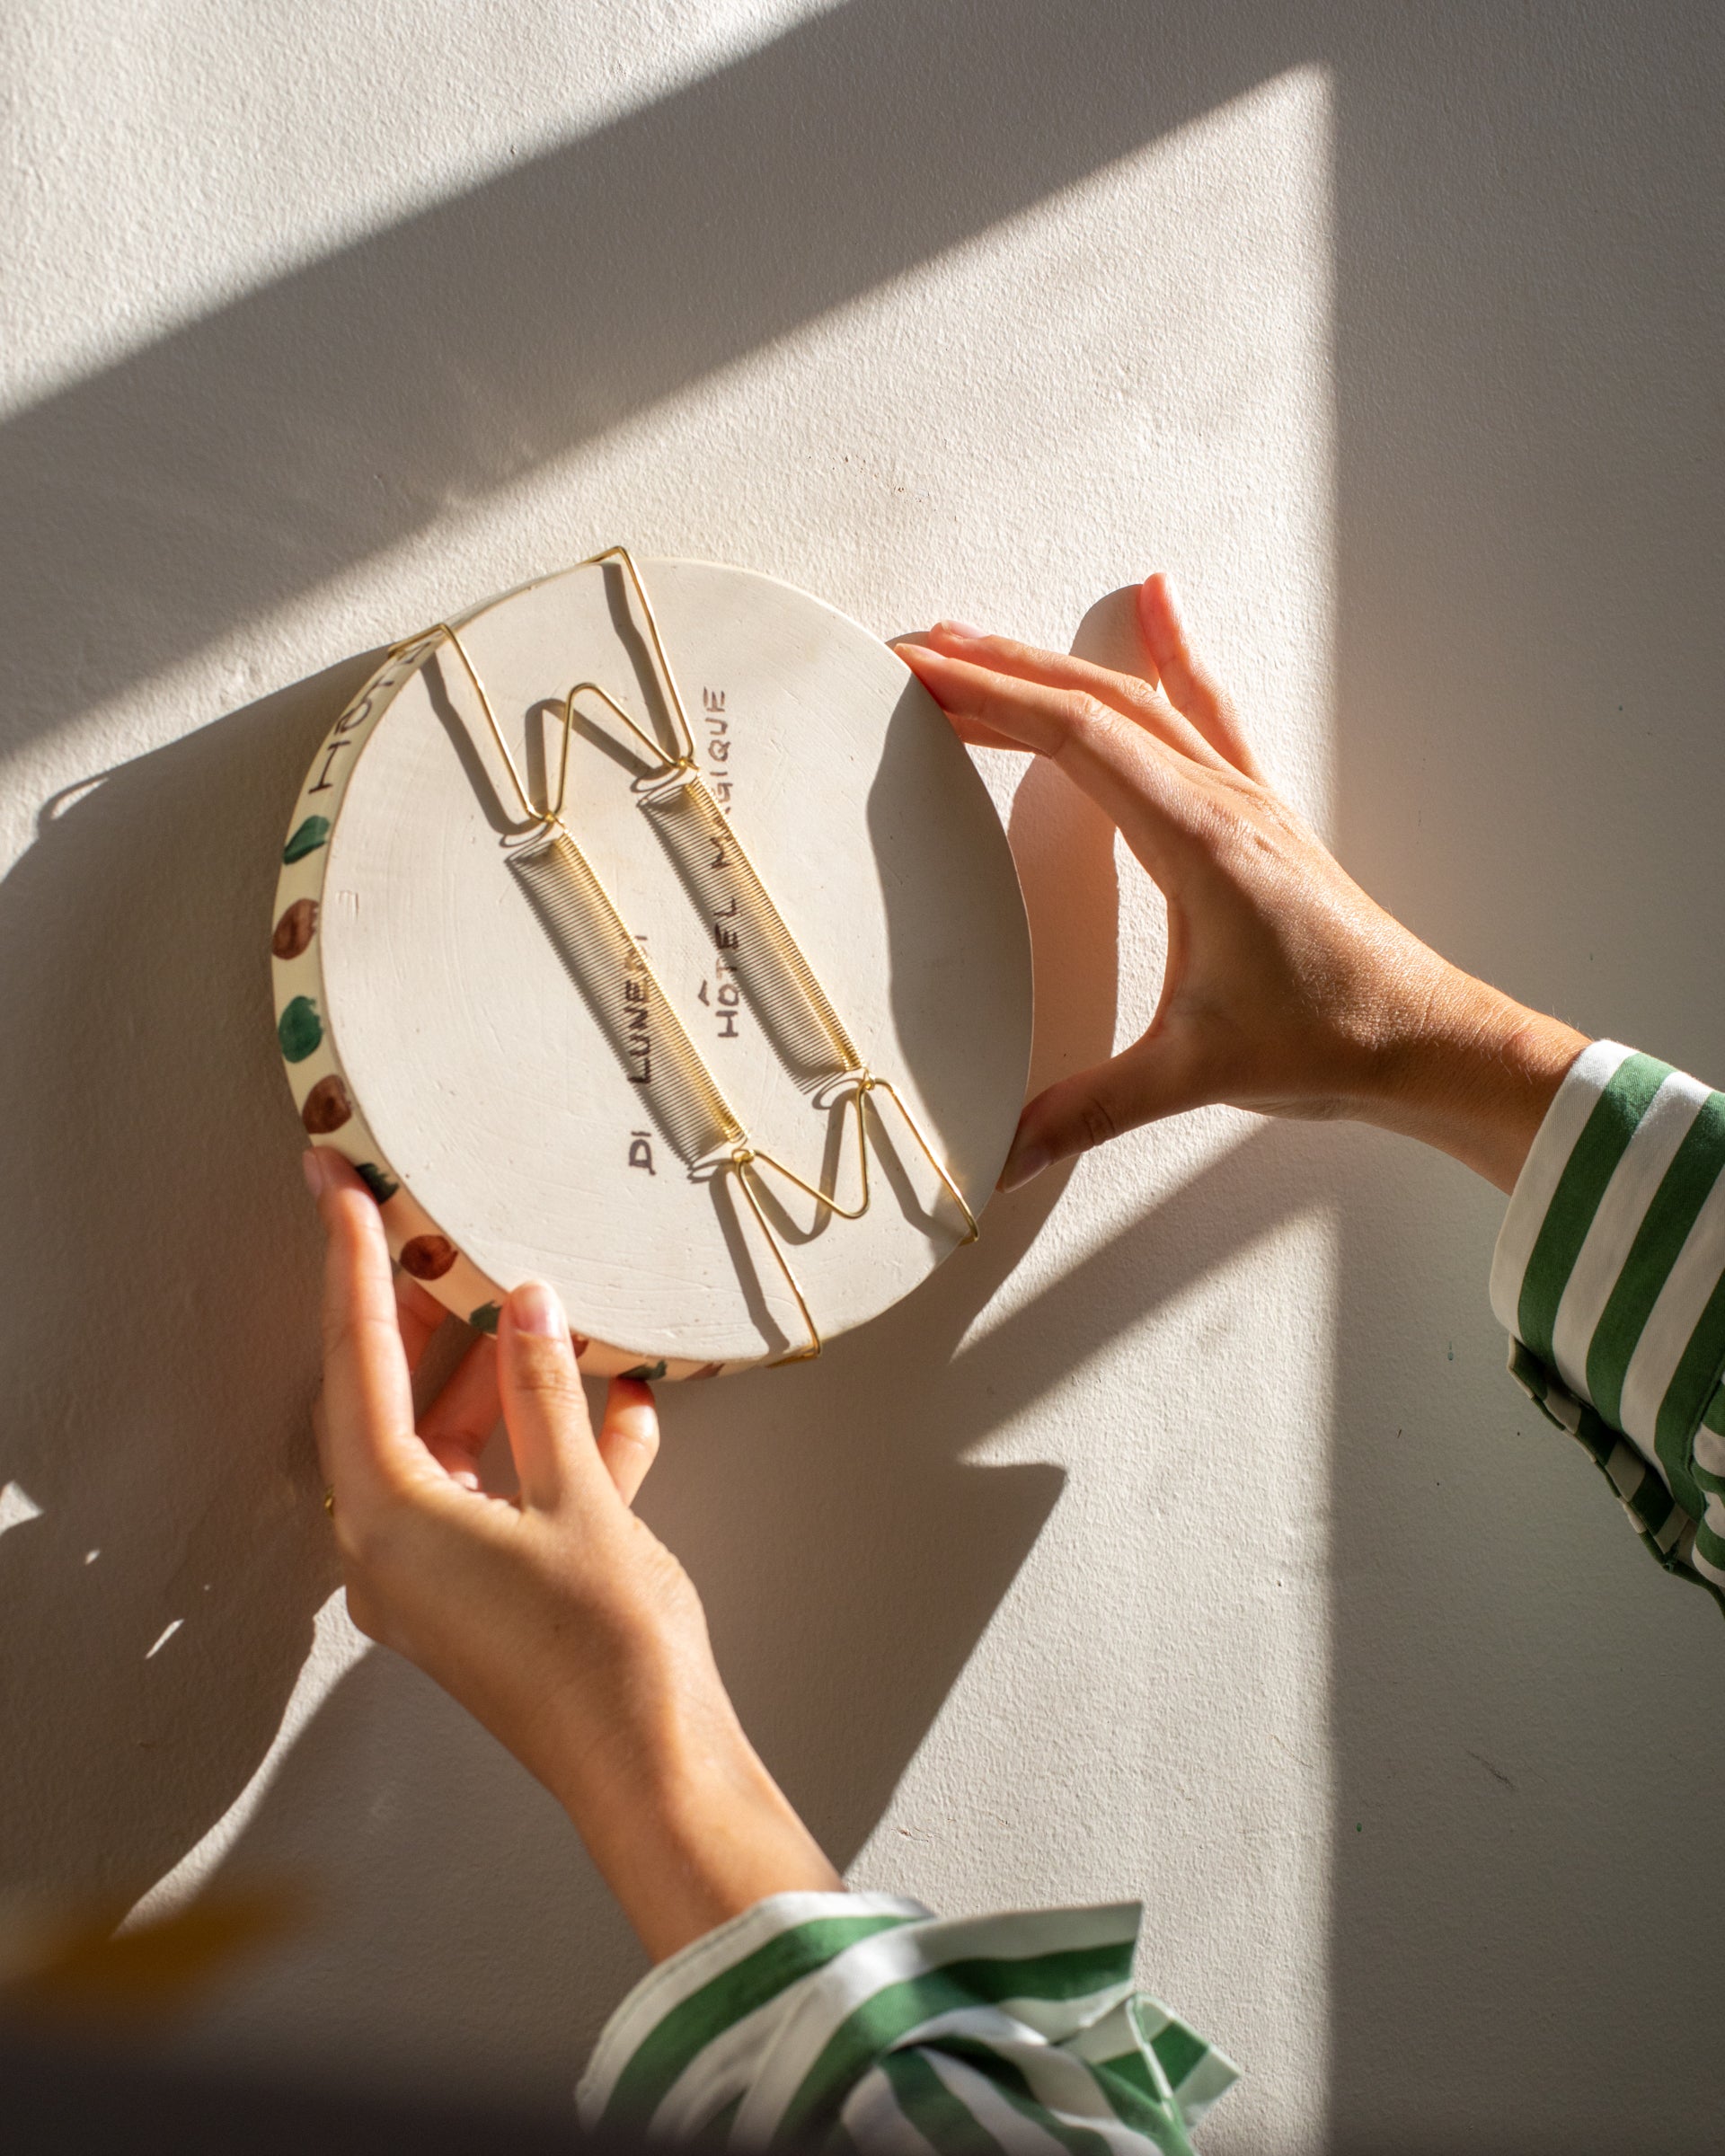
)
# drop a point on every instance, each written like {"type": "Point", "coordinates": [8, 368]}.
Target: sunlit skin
{"type": "Point", "coordinates": [1287, 990]}
{"type": "Point", "coordinates": [556, 1617]}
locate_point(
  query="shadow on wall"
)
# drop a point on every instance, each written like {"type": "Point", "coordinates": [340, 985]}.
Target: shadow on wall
{"type": "Point", "coordinates": [174, 497]}
{"type": "Point", "coordinates": [178, 1561]}
{"type": "Point", "coordinates": [157, 1613]}
{"type": "Point", "coordinates": [1529, 265]}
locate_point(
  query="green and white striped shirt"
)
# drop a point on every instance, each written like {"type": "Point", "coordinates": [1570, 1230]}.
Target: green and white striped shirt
{"type": "Point", "coordinates": [842, 2021]}
{"type": "Point", "coordinates": [1610, 1278]}
{"type": "Point", "coordinates": [856, 2021]}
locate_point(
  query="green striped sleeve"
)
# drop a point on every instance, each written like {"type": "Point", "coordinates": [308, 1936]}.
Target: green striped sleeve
{"type": "Point", "coordinates": [1594, 1159]}
{"type": "Point", "coordinates": [943, 2119]}
{"type": "Point", "coordinates": [842, 2020]}
{"type": "Point", "coordinates": [893, 2012]}
{"type": "Point", "coordinates": [1666, 1226]}
{"type": "Point", "coordinates": [738, 1990]}
{"type": "Point", "coordinates": [1040, 2096]}
{"type": "Point", "coordinates": [1145, 2043]}
{"type": "Point", "coordinates": [700, 2007]}
{"type": "Point", "coordinates": [1708, 1463]}
{"type": "Point", "coordinates": [1708, 1467]}
{"type": "Point", "coordinates": [1610, 1277]}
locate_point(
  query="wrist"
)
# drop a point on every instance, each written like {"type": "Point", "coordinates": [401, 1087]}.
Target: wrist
{"type": "Point", "coordinates": [1472, 1074]}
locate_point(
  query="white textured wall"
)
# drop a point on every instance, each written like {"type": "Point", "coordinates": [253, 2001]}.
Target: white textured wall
{"type": "Point", "coordinates": [1184, 1540]}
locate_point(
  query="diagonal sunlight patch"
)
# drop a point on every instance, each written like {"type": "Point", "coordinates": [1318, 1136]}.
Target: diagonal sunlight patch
{"type": "Point", "coordinates": [1147, 1709]}
{"type": "Point", "coordinates": [107, 243]}
{"type": "Point", "coordinates": [17, 1506]}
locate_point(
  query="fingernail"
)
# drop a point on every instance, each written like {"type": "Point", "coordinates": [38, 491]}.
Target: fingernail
{"type": "Point", "coordinates": [536, 1310]}
{"type": "Point", "coordinates": [1023, 1166]}
{"type": "Point", "coordinates": [961, 628]}
{"type": "Point", "coordinates": [315, 1169]}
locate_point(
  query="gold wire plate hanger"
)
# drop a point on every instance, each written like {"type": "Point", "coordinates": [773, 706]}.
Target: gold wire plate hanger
{"type": "Point", "coordinates": [601, 954]}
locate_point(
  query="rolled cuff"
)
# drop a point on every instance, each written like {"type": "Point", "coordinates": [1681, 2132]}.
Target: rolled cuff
{"type": "Point", "coordinates": [1609, 1274]}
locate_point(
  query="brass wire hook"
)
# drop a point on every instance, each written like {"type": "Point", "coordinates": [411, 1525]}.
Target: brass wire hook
{"type": "Point", "coordinates": [680, 775]}
{"type": "Point", "coordinates": [572, 898]}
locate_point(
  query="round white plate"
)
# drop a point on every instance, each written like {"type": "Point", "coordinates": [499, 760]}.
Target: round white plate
{"type": "Point", "coordinates": [434, 1034]}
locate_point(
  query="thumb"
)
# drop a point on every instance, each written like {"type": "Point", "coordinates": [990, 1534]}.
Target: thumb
{"type": "Point", "coordinates": [1150, 1078]}
{"type": "Point", "coordinates": [545, 1409]}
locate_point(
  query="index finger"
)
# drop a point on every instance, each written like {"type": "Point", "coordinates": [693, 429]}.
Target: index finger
{"type": "Point", "coordinates": [421, 1317]}
{"type": "Point", "coordinates": [1130, 695]}
{"type": "Point", "coordinates": [1134, 778]}
{"type": "Point", "coordinates": [370, 1444]}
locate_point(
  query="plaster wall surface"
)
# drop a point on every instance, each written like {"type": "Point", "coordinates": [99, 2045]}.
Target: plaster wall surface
{"type": "Point", "coordinates": [1184, 1540]}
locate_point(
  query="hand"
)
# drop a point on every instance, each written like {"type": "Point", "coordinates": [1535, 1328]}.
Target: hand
{"type": "Point", "coordinates": [557, 1619]}
{"type": "Point", "coordinates": [1286, 989]}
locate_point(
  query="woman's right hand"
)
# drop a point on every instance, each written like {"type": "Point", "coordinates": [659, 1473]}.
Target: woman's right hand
{"type": "Point", "coordinates": [1286, 989]}
{"type": "Point", "coordinates": [555, 1616]}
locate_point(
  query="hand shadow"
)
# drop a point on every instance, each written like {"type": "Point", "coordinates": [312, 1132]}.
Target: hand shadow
{"type": "Point", "coordinates": [159, 1310]}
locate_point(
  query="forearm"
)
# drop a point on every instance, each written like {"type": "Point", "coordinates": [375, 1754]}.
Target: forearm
{"type": "Point", "coordinates": [680, 1814]}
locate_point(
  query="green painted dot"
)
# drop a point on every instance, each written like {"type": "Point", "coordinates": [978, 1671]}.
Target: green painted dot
{"type": "Point", "coordinates": [648, 1371]}
{"type": "Point", "coordinates": [484, 1319]}
{"type": "Point", "coordinates": [382, 1186]}
{"type": "Point", "coordinates": [310, 835]}
{"type": "Point", "coordinates": [299, 1029]}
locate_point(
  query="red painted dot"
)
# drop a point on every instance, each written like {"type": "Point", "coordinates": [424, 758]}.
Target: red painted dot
{"type": "Point", "coordinates": [294, 930]}
{"type": "Point", "coordinates": [428, 1257]}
